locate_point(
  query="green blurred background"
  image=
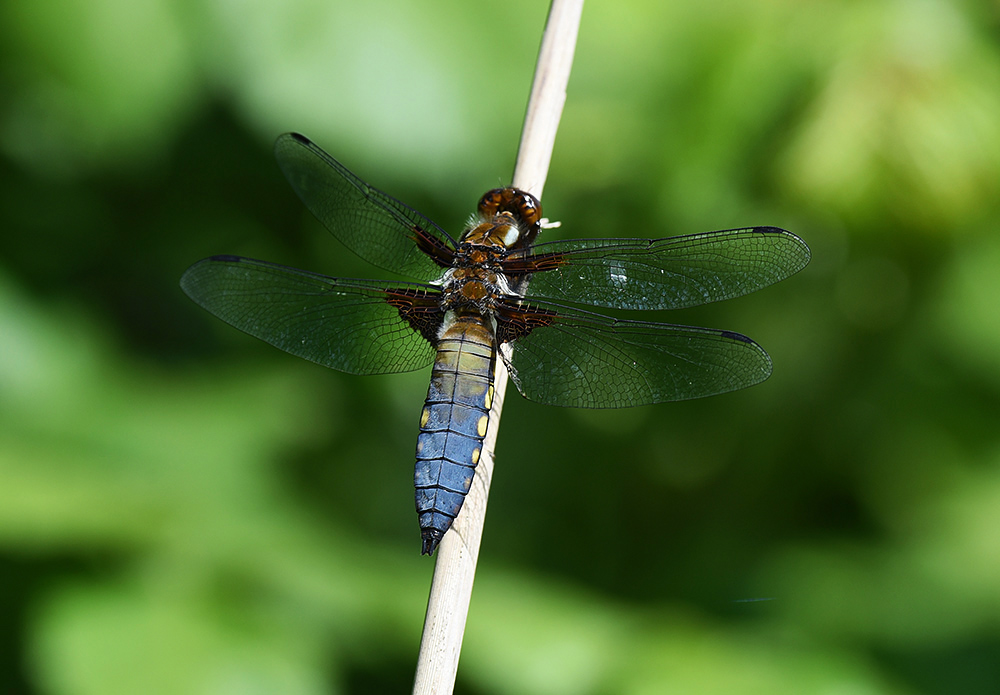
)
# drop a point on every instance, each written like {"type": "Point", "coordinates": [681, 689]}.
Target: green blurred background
{"type": "Point", "coordinates": [186, 510]}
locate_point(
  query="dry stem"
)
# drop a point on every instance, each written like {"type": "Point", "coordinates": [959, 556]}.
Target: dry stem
{"type": "Point", "coordinates": [455, 568]}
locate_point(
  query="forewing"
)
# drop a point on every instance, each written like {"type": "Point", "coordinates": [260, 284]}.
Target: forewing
{"type": "Point", "coordinates": [354, 326]}
{"type": "Point", "coordinates": [670, 273]}
{"type": "Point", "coordinates": [574, 358]}
{"type": "Point", "coordinates": [376, 226]}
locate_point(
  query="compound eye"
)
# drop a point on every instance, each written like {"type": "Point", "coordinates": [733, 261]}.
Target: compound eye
{"type": "Point", "coordinates": [528, 207]}
{"type": "Point", "coordinates": [491, 202]}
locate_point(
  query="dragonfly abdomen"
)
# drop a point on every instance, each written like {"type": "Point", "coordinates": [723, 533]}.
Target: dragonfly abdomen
{"type": "Point", "coordinates": [453, 424]}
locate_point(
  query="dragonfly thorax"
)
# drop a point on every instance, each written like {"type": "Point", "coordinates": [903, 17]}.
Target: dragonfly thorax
{"type": "Point", "coordinates": [474, 287]}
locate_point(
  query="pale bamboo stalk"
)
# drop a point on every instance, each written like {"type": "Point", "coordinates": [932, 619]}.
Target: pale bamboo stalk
{"type": "Point", "coordinates": [455, 567]}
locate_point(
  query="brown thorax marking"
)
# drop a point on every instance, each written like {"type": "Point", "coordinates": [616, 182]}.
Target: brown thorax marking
{"type": "Point", "coordinates": [475, 279]}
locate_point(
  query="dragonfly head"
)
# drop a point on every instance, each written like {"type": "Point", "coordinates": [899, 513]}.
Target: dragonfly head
{"type": "Point", "coordinates": [521, 206]}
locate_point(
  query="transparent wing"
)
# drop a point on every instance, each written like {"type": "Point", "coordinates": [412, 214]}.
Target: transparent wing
{"type": "Point", "coordinates": [354, 326]}
{"type": "Point", "coordinates": [574, 358]}
{"type": "Point", "coordinates": [670, 273]}
{"type": "Point", "coordinates": [374, 225]}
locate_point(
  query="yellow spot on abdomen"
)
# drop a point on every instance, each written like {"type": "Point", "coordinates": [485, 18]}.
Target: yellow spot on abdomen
{"type": "Point", "coordinates": [481, 425]}
{"type": "Point", "coordinates": [475, 455]}
{"type": "Point", "coordinates": [425, 415]}
{"type": "Point", "coordinates": [489, 398]}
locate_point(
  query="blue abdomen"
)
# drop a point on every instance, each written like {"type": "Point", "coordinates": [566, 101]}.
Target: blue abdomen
{"type": "Point", "coordinates": [453, 425]}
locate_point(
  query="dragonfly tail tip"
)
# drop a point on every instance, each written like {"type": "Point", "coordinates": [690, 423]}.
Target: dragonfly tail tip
{"type": "Point", "coordinates": [431, 537]}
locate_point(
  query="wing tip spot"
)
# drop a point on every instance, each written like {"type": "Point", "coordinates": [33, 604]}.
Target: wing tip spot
{"type": "Point", "coordinates": [732, 335]}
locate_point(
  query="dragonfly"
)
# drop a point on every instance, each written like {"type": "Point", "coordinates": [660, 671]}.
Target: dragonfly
{"type": "Point", "coordinates": [494, 293]}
